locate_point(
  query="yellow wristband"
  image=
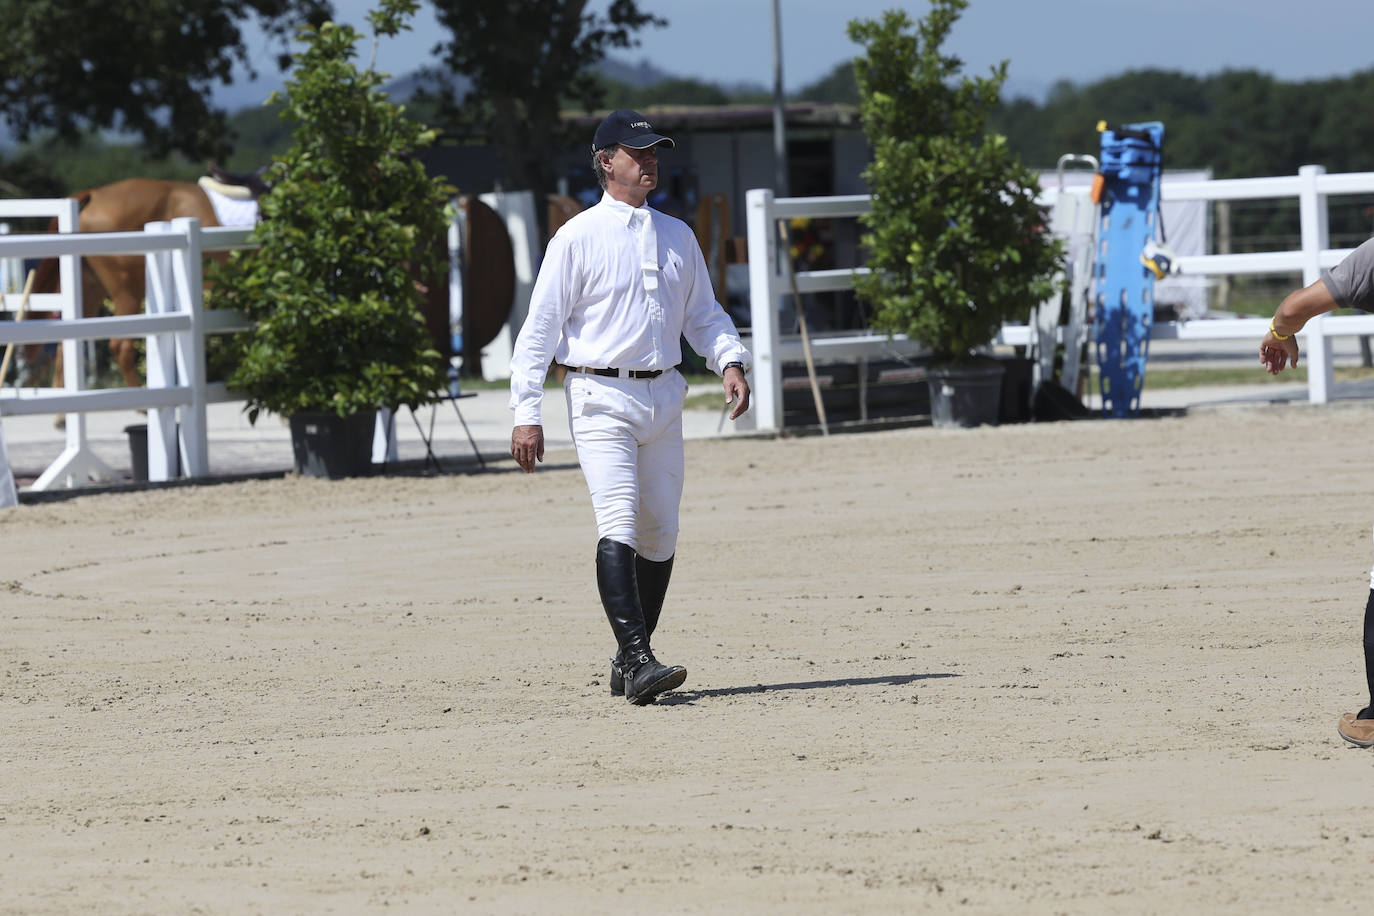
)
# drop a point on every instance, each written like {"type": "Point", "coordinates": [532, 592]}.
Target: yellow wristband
{"type": "Point", "coordinates": [1277, 335]}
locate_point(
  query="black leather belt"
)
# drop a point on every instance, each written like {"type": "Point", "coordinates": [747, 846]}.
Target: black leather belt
{"type": "Point", "coordinates": [618, 373]}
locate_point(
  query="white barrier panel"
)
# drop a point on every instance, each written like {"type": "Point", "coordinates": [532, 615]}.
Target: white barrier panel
{"type": "Point", "coordinates": [175, 323]}
{"type": "Point", "coordinates": [1311, 186]}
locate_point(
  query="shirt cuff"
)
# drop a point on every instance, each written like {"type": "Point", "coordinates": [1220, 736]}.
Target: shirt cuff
{"type": "Point", "coordinates": [528, 417]}
{"type": "Point", "coordinates": [741, 356]}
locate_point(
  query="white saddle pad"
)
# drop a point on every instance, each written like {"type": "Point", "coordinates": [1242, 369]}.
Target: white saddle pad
{"type": "Point", "coordinates": [231, 212]}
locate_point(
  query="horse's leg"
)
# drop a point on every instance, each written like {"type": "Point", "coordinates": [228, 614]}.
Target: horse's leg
{"type": "Point", "coordinates": [122, 279]}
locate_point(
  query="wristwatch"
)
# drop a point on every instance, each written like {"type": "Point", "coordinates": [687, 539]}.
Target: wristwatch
{"type": "Point", "coordinates": [733, 364]}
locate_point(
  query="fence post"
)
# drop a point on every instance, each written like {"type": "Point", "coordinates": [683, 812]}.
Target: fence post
{"type": "Point", "coordinates": [77, 463]}
{"type": "Point", "coordinates": [763, 307]}
{"type": "Point", "coordinates": [73, 351]}
{"type": "Point", "coordinates": [163, 443]}
{"type": "Point", "coordinates": [186, 279]}
{"type": "Point", "coordinates": [1316, 238]}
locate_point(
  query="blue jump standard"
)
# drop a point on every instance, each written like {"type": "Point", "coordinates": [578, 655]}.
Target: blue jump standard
{"type": "Point", "coordinates": [1131, 165]}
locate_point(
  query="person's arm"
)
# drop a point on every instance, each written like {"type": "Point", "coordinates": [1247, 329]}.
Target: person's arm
{"type": "Point", "coordinates": [1279, 347]}
{"type": "Point", "coordinates": [534, 350]}
{"type": "Point", "coordinates": [711, 333]}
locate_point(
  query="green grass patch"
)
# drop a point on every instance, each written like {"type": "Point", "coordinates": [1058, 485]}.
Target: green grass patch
{"type": "Point", "coordinates": [1194, 378]}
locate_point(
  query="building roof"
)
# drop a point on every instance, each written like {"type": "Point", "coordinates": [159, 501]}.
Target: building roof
{"type": "Point", "coordinates": [735, 117]}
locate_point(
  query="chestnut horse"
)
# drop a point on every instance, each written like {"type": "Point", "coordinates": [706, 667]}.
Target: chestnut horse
{"type": "Point", "coordinates": [125, 206]}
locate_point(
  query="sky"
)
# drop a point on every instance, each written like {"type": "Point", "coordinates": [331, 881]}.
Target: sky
{"type": "Point", "coordinates": [731, 41]}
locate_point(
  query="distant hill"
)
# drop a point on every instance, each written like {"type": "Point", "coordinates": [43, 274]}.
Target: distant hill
{"type": "Point", "coordinates": [635, 74]}
{"type": "Point", "coordinates": [403, 87]}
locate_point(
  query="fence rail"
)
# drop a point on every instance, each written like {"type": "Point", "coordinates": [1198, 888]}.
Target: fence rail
{"type": "Point", "coordinates": [768, 283]}
{"type": "Point", "coordinates": [174, 325]}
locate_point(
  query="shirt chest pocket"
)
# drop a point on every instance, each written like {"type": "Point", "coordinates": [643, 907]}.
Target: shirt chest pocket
{"type": "Point", "coordinates": [672, 273]}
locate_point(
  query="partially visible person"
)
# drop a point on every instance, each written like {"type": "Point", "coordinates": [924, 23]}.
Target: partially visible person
{"type": "Point", "coordinates": [620, 285]}
{"type": "Point", "coordinates": [1350, 284]}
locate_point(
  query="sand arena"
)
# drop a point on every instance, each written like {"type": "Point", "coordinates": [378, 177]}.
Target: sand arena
{"type": "Point", "coordinates": [1055, 668]}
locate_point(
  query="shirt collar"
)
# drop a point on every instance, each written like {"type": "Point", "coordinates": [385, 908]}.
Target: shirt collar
{"type": "Point", "coordinates": [622, 210]}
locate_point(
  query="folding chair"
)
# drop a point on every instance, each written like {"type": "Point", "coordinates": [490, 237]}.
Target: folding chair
{"type": "Point", "coordinates": [427, 435]}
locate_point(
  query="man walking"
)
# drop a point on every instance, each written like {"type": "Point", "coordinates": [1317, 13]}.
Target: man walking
{"type": "Point", "coordinates": [1350, 284]}
{"type": "Point", "coordinates": [619, 287]}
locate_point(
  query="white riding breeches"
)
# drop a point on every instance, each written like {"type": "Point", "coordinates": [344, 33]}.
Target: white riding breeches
{"type": "Point", "coordinates": [628, 436]}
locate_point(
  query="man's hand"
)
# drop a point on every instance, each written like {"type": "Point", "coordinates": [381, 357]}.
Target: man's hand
{"type": "Point", "coordinates": [527, 446]}
{"type": "Point", "coordinates": [1275, 353]}
{"type": "Point", "coordinates": [736, 391]}
{"type": "Point", "coordinates": [1292, 315]}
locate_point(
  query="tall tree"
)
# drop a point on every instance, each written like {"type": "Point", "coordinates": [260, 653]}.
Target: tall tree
{"type": "Point", "coordinates": [526, 60]}
{"type": "Point", "coordinates": [146, 67]}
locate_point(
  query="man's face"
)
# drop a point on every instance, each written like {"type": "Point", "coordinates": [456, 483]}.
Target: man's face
{"type": "Point", "coordinates": [634, 168]}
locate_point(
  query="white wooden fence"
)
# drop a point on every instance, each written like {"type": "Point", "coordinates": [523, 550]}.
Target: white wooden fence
{"type": "Point", "coordinates": [1311, 186]}
{"type": "Point", "coordinates": [175, 325]}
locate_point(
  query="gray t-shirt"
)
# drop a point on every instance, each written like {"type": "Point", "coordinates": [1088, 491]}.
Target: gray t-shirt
{"type": "Point", "coordinates": [1351, 282]}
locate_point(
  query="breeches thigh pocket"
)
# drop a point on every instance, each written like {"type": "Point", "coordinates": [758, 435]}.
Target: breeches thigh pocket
{"type": "Point", "coordinates": [587, 397]}
{"type": "Point", "coordinates": [578, 396]}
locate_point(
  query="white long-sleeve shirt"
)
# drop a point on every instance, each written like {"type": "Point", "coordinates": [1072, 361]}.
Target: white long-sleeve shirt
{"type": "Point", "coordinates": [593, 304]}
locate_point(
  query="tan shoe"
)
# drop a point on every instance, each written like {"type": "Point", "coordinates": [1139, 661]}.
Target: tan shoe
{"type": "Point", "coordinates": [1356, 731]}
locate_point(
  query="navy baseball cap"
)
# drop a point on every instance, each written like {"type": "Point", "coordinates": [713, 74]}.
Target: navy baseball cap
{"type": "Point", "coordinates": [627, 128]}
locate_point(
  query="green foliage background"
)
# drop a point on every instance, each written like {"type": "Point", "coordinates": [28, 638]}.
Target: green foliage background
{"type": "Point", "coordinates": [143, 68]}
{"type": "Point", "coordinates": [1238, 123]}
{"type": "Point", "coordinates": [352, 220]}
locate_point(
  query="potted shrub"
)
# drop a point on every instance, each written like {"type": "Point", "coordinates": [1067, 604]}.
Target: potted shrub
{"type": "Point", "coordinates": [956, 241]}
{"type": "Point", "coordinates": [351, 220]}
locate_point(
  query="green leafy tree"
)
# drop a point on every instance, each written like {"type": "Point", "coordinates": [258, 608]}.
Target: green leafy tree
{"type": "Point", "coordinates": [956, 241]}
{"type": "Point", "coordinates": [526, 60]}
{"type": "Point", "coordinates": [350, 223]}
{"type": "Point", "coordinates": [145, 67]}
{"type": "Point", "coordinates": [837, 87]}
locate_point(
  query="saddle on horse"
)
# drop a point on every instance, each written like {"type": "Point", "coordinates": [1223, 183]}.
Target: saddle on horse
{"type": "Point", "coordinates": [234, 185]}
{"type": "Point", "coordinates": [234, 195]}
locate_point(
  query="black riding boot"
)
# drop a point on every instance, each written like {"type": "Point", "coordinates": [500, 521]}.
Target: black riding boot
{"type": "Point", "coordinates": [653, 579]}
{"type": "Point", "coordinates": [1368, 711]}
{"type": "Point", "coordinates": [644, 677]}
